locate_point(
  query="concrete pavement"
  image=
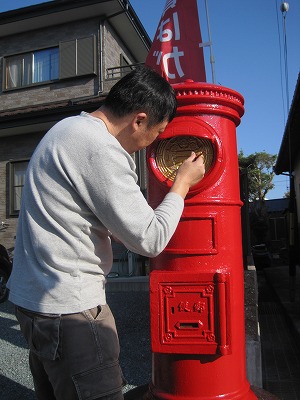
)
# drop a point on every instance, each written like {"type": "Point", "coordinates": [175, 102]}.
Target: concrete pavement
{"type": "Point", "coordinates": [131, 310]}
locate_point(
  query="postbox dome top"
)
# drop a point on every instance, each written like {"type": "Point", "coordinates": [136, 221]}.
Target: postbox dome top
{"type": "Point", "coordinates": [194, 97]}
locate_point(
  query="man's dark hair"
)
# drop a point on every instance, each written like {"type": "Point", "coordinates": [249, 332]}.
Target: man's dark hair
{"type": "Point", "coordinates": [143, 90]}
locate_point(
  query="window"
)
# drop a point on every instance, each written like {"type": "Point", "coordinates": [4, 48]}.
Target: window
{"type": "Point", "coordinates": [78, 57]}
{"type": "Point", "coordinates": [26, 69]}
{"type": "Point", "coordinates": [72, 58]}
{"type": "Point", "coordinates": [17, 178]}
{"type": "Point", "coordinates": [46, 65]}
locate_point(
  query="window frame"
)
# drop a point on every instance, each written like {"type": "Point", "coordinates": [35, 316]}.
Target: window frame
{"type": "Point", "coordinates": [31, 54]}
{"type": "Point", "coordinates": [77, 58]}
{"type": "Point", "coordinates": [13, 209]}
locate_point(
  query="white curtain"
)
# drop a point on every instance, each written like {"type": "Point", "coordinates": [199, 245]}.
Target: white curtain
{"type": "Point", "coordinates": [14, 72]}
{"type": "Point", "coordinates": [19, 178]}
{"type": "Point", "coordinates": [18, 71]}
{"type": "Point", "coordinates": [25, 69]}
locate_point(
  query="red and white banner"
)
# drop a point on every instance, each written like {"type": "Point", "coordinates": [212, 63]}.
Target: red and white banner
{"type": "Point", "coordinates": [176, 52]}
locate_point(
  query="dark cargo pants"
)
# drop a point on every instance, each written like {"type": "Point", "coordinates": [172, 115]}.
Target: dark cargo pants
{"type": "Point", "coordinates": [73, 356]}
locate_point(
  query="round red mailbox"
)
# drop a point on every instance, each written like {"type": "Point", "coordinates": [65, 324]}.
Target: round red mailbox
{"type": "Point", "coordinates": [196, 284]}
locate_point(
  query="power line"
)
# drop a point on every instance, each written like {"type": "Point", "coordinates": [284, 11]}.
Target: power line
{"type": "Point", "coordinates": [280, 63]}
{"type": "Point", "coordinates": [284, 9]}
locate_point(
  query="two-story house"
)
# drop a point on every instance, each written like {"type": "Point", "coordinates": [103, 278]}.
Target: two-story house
{"type": "Point", "coordinates": [57, 59]}
{"type": "Point", "coordinates": [288, 160]}
{"type": "Point", "coordinates": [288, 163]}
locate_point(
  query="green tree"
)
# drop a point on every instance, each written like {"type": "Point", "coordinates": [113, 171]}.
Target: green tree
{"type": "Point", "coordinates": [259, 167]}
{"type": "Point", "coordinates": [260, 173]}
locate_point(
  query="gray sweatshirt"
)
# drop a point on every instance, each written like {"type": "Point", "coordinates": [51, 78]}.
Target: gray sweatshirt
{"type": "Point", "coordinates": [80, 187]}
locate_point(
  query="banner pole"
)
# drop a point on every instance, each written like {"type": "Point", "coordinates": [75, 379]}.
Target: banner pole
{"type": "Point", "coordinates": [212, 59]}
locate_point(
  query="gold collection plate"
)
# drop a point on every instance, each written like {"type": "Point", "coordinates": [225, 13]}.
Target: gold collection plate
{"type": "Point", "coordinates": [172, 152]}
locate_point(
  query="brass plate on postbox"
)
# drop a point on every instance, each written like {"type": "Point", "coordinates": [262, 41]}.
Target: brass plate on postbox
{"type": "Point", "coordinates": [172, 152]}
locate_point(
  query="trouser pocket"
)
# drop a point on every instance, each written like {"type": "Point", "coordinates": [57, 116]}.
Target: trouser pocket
{"type": "Point", "coordinates": [41, 333]}
{"type": "Point", "coordinates": [99, 382]}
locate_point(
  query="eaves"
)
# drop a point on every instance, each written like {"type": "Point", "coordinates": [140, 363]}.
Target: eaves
{"type": "Point", "coordinates": [41, 117]}
{"type": "Point", "coordinates": [290, 145]}
{"type": "Point", "coordinates": [120, 14]}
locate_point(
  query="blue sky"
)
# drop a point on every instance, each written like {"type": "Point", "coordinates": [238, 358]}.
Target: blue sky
{"type": "Point", "coordinates": [247, 39]}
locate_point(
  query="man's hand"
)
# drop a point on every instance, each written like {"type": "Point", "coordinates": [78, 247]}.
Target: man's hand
{"type": "Point", "coordinates": [190, 172]}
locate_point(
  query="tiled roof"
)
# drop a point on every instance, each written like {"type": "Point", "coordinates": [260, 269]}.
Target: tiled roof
{"type": "Point", "coordinates": [51, 108]}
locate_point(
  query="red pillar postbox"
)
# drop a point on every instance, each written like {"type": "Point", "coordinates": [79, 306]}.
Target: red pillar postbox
{"type": "Point", "coordinates": [196, 284]}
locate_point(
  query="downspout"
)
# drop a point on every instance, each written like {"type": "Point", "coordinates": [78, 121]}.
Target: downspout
{"type": "Point", "coordinates": [101, 64]}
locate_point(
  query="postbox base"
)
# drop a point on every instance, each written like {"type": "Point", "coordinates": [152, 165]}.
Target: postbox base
{"type": "Point", "coordinates": [143, 393]}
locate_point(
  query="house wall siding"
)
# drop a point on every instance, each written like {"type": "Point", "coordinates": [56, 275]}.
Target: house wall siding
{"type": "Point", "coordinates": [112, 50]}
